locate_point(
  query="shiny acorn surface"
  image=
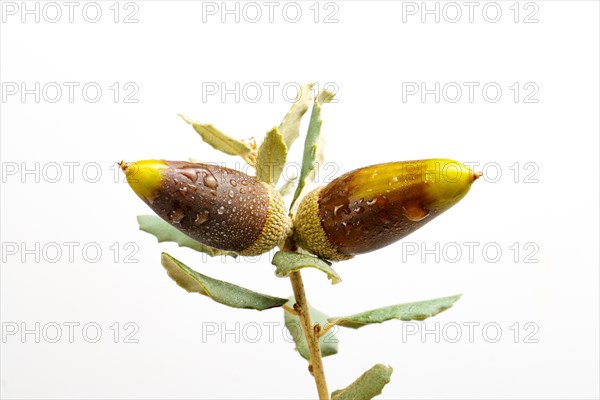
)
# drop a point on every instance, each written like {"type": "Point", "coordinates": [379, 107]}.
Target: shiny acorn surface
{"type": "Point", "coordinates": [372, 207]}
{"type": "Point", "coordinates": [219, 207]}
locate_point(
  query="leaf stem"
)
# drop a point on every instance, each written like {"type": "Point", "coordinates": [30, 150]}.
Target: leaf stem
{"type": "Point", "coordinates": [312, 339]}
{"type": "Point", "coordinates": [289, 309]}
{"type": "Point", "coordinates": [326, 328]}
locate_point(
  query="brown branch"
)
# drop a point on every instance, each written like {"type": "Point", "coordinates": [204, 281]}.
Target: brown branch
{"type": "Point", "coordinates": [312, 339]}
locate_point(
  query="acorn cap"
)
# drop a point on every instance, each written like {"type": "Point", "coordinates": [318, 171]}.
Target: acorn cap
{"type": "Point", "coordinates": [217, 206]}
{"type": "Point", "coordinates": [372, 207]}
{"type": "Point", "coordinates": [276, 228]}
{"type": "Point", "coordinates": [309, 232]}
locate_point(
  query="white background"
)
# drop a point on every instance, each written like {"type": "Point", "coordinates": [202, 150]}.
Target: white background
{"type": "Point", "coordinates": [370, 54]}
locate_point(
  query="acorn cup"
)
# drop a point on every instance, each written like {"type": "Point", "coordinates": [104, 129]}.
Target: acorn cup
{"type": "Point", "coordinates": [372, 207]}
{"type": "Point", "coordinates": [219, 207]}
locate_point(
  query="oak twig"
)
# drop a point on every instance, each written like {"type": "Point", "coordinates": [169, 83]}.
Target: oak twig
{"type": "Point", "coordinates": [312, 339]}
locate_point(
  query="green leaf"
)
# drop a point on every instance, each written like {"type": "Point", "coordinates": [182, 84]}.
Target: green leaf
{"type": "Point", "coordinates": [165, 232]}
{"type": "Point", "coordinates": [328, 342]}
{"type": "Point", "coordinates": [271, 156]}
{"type": "Point", "coordinates": [419, 311]}
{"type": "Point", "coordinates": [219, 140]}
{"type": "Point", "coordinates": [369, 385]}
{"type": "Point", "coordinates": [288, 262]}
{"type": "Point", "coordinates": [311, 143]}
{"type": "Point", "coordinates": [290, 126]}
{"type": "Point", "coordinates": [222, 292]}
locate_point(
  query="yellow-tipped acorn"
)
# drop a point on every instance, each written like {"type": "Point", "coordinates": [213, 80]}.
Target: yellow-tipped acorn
{"type": "Point", "coordinates": [219, 207]}
{"type": "Point", "coordinates": [375, 206]}
{"type": "Point", "coordinates": [144, 177]}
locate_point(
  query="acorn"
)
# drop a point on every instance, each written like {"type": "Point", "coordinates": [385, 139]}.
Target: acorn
{"type": "Point", "coordinates": [372, 207]}
{"type": "Point", "coordinates": [217, 206]}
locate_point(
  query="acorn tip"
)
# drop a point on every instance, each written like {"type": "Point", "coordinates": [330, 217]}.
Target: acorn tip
{"type": "Point", "coordinates": [124, 165]}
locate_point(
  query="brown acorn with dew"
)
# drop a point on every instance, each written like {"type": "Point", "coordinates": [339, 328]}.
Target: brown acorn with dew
{"type": "Point", "coordinates": [217, 206]}
{"type": "Point", "coordinates": [372, 207]}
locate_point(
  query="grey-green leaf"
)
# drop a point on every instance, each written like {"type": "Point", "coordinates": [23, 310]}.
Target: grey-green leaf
{"type": "Point", "coordinates": [288, 262]}
{"type": "Point", "coordinates": [328, 342]}
{"type": "Point", "coordinates": [369, 385]}
{"type": "Point", "coordinates": [290, 126]}
{"type": "Point", "coordinates": [218, 139]}
{"type": "Point", "coordinates": [419, 311]}
{"type": "Point", "coordinates": [288, 187]}
{"type": "Point", "coordinates": [311, 142]}
{"type": "Point", "coordinates": [222, 292]}
{"type": "Point", "coordinates": [165, 232]}
{"type": "Point", "coordinates": [271, 157]}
